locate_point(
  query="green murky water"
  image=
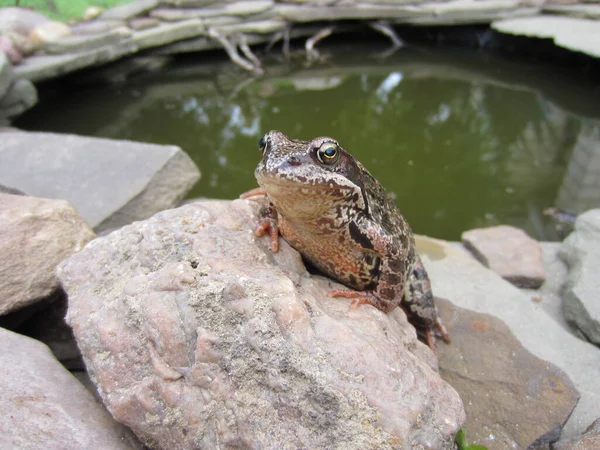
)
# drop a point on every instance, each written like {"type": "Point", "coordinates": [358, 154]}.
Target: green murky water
{"type": "Point", "coordinates": [462, 140]}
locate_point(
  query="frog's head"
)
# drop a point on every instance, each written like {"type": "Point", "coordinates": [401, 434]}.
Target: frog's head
{"type": "Point", "coordinates": [309, 175]}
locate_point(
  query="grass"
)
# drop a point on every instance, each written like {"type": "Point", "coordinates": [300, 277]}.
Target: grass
{"type": "Point", "coordinates": [63, 10]}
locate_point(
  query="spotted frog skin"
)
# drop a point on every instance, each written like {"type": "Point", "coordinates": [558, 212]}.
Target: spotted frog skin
{"type": "Point", "coordinates": [330, 208]}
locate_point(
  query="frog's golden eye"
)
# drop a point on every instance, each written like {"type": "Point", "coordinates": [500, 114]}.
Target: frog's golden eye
{"type": "Point", "coordinates": [328, 153]}
{"type": "Point", "coordinates": [262, 144]}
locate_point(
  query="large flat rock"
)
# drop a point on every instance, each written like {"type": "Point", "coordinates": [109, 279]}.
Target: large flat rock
{"type": "Point", "coordinates": [580, 35]}
{"type": "Point", "coordinates": [466, 283]}
{"type": "Point", "coordinates": [512, 398]}
{"type": "Point", "coordinates": [110, 183]}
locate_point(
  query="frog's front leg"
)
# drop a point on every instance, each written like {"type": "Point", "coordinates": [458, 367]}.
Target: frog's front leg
{"type": "Point", "coordinates": [267, 222]}
{"type": "Point", "coordinates": [419, 303]}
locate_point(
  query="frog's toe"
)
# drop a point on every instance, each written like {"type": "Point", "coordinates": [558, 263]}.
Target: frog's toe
{"type": "Point", "coordinates": [359, 298]}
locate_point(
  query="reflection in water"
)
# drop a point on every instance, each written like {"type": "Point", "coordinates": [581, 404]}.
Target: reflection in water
{"type": "Point", "coordinates": [458, 149]}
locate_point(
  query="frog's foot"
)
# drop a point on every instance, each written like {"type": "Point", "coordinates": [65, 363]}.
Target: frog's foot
{"type": "Point", "coordinates": [442, 331]}
{"type": "Point", "coordinates": [253, 193]}
{"type": "Point", "coordinates": [360, 298]}
{"type": "Point", "coordinates": [268, 225]}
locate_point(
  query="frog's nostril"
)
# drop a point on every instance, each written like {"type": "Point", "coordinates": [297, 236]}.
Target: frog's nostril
{"type": "Point", "coordinates": [293, 161]}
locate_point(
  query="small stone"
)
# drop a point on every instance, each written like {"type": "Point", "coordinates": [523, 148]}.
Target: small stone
{"type": "Point", "coordinates": [189, 315]}
{"type": "Point", "coordinates": [581, 252]}
{"type": "Point", "coordinates": [502, 385]}
{"type": "Point", "coordinates": [509, 252]}
{"type": "Point", "coordinates": [35, 235]}
{"type": "Point", "coordinates": [44, 406]}
{"type": "Point", "coordinates": [91, 12]}
{"type": "Point", "coordinates": [128, 10]}
{"type": "Point", "coordinates": [48, 32]}
{"type": "Point", "coordinates": [589, 440]}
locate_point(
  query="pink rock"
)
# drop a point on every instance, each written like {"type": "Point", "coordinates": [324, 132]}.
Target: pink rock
{"type": "Point", "coordinates": [197, 335]}
{"type": "Point", "coordinates": [35, 235]}
{"type": "Point", "coordinates": [509, 252]}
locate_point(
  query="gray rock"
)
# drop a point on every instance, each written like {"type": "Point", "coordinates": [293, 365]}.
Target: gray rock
{"type": "Point", "coordinates": [590, 440]}
{"type": "Point", "coordinates": [197, 336]}
{"type": "Point", "coordinates": [20, 20]}
{"type": "Point", "coordinates": [509, 252]}
{"type": "Point", "coordinates": [129, 10]}
{"type": "Point", "coordinates": [225, 9]}
{"type": "Point", "coordinates": [302, 13]}
{"type": "Point", "coordinates": [37, 68]}
{"type": "Point", "coordinates": [97, 26]}
{"type": "Point", "coordinates": [110, 183]}
{"type": "Point", "coordinates": [6, 74]}
{"type": "Point", "coordinates": [44, 406]}
{"type": "Point", "coordinates": [468, 284]}
{"type": "Point", "coordinates": [502, 385]}
{"type": "Point", "coordinates": [35, 235]}
{"type": "Point", "coordinates": [8, 189]}
{"type": "Point", "coordinates": [549, 295]}
{"type": "Point", "coordinates": [584, 11]}
{"type": "Point", "coordinates": [167, 33]}
{"type": "Point", "coordinates": [87, 42]}
{"type": "Point", "coordinates": [580, 35]}
{"type": "Point", "coordinates": [143, 23]}
{"type": "Point", "coordinates": [581, 251]}
{"type": "Point", "coordinates": [21, 96]}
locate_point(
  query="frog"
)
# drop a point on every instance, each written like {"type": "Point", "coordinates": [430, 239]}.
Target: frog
{"type": "Point", "coordinates": [344, 223]}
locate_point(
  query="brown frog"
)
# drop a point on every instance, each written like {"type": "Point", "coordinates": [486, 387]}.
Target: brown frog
{"type": "Point", "coordinates": [330, 208]}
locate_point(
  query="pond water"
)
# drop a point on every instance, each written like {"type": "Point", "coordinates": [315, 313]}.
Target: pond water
{"type": "Point", "coordinates": [462, 140]}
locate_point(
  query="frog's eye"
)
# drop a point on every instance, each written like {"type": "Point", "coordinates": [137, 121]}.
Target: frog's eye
{"type": "Point", "coordinates": [328, 153]}
{"type": "Point", "coordinates": [262, 144]}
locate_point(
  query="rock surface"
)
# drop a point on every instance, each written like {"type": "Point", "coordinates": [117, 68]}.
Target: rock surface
{"type": "Point", "coordinates": [196, 334]}
{"type": "Point", "coordinates": [581, 251]}
{"type": "Point", "coordinates": [512, 399]}
{"type": "Point", "coordinates": [110, 183]}
{"type": "Point", "coordinates": [35, 235]}
{"type": "Point", "coordinates": [44, 406]}
{"type": "Point", "coordinates": [509, 252]}
{"type": "Point", "coordinates": [466, 283]}
{"type": "Point", "coordinates": [582, 35]}
{"type": "Point", "coordinates": [590, 440]}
